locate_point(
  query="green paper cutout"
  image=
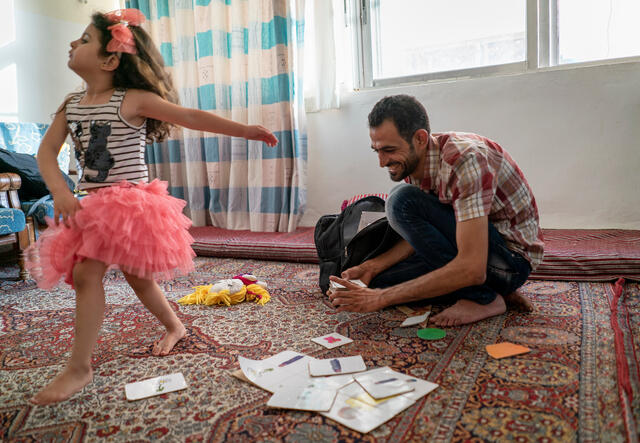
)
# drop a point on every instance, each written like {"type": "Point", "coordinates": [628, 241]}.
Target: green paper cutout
{"type": "Point", "coordinates": [431, 333]}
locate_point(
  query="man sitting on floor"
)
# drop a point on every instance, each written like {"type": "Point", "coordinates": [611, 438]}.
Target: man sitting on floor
{"type": "Point", "coordinates": [467, 216]}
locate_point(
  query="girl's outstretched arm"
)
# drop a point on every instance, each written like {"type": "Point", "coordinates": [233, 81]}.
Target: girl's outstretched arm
{"type": "Point", "coordinates": [65, 204]}
{"type": "Point", "coordinates": [149, 105]}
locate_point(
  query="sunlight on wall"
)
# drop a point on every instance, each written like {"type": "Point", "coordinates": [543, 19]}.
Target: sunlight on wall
{"type": "Point", "coordinates": [9, 94]}
{"type": "Point", "coordinates": [7, 23]}
{"type": "Point", "coordinates": [8, 72]}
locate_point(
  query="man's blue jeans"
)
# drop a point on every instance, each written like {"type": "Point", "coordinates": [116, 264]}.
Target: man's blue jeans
{"type": "Point", "coordinates": [430, 228]}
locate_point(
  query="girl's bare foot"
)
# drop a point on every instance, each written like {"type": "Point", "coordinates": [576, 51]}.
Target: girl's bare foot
{"type": "Point", "coordinates": [519, 301]}
{"type": "Point", "coordinates": [467, 311]}
{"type": "Point", "coordinates": [168, 341]}
{"type": "Point", "coordinates": [68, 382]}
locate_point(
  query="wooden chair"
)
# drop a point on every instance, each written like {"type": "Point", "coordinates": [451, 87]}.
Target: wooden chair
{"type": "Point", "coordinates": [14, 228]}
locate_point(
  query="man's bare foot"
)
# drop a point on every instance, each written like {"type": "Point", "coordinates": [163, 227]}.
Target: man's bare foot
{"type": "Point", "coordinates": [467, 311]}
{"type": "Point", "coordinates": [168, 341]}
{"type": "Point", "coordinates": [66, 383]}
{"type": "Point", "coordinates": [518, 301]}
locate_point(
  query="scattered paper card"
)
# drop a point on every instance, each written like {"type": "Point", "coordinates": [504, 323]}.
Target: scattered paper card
{"type": "Point", "coordinates": [306, 398]}
{"type": "Point", "coordinates": [420, 387]}
{"type": "Point", "coordinates": [416, 320]}
{"type": "Point", "coordinates": [332, 340]}
{"type": "Point", "coordinates": [506, 349]}
{"type": "Point", "coordinates": [359, 411]}
{"type": "Point", "coordinates": [338, 287]}
{"type": "Point", "coordinates": [405, 309]}
{"type": "Point", "coordinates": [381, 384]}
{"type": "Point", "coordinates": [155, 386]}
{"type": "Point", "coordinates": [334, 366]}
{"type": "Point", "coordinates": [283, 369]}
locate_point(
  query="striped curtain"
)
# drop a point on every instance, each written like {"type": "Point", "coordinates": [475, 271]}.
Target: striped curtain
{"type": "Point", "coordinates": [241, 59]}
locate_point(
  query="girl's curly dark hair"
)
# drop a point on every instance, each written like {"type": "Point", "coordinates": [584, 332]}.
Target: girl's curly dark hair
{"type": "Point", "coordinates": [144, 70]}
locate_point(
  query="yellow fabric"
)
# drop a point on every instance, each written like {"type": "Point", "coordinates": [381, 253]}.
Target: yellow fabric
{"type": "Point", "coordinates": [197, 297]}
{"type": "Point", "coordinates": [257, 293]}
{"type": "Point", "coordinates": [203, 296]}
{"type": "Point", "coordinates": [225, 298]}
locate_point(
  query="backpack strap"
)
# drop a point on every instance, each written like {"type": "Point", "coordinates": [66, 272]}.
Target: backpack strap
{"type": "Point", "coordinates": [40, 202]}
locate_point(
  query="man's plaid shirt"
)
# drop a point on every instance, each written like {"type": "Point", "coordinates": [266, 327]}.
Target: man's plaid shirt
{"type": "Point", "coordinates": [477, 177]}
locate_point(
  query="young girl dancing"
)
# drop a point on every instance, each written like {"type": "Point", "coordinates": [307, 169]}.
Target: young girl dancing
{"type": "Point", "coordinates": [124, 221]}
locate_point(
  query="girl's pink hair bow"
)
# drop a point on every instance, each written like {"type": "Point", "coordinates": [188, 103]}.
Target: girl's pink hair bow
{"type": "Point", "coordinates": [121, 36]}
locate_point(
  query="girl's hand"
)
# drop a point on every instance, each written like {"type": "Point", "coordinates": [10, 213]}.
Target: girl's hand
{"type": "Point", "coordinates": [65, 206]}
{"type": "Point", "coordinates": [260, 133]}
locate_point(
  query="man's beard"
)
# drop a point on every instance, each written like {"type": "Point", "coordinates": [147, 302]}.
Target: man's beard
{"type": "Point", "coordinates": [407, 167]}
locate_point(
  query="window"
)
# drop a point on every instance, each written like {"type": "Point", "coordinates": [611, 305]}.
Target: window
{"type": "Point", "coordinates": [445, 35]}
{"type": "Point", "coordinates": [597, 30]}
{"type": "Point", "coordinates": [414, 40]}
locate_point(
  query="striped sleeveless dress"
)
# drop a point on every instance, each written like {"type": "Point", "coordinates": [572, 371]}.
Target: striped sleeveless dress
{"type": "Point", "coordinates": [125, 221]}
{"type": "Point", "coordinates": [108, 149]}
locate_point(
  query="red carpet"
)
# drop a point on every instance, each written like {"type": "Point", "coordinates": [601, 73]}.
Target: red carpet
{"type": "Point", "coordinates": [580, 382]}
{"type": "Point", "coordinates": [570, 254]}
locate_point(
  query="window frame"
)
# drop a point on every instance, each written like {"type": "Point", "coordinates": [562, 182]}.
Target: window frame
{"type": "Point", "coordinates": [542, 42]}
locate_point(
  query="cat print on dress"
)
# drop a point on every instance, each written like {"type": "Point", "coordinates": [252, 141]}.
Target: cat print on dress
{"type": "Point", "coordinates": [97, 156]}
{"type": "Point", "coordinates": [75, 130]}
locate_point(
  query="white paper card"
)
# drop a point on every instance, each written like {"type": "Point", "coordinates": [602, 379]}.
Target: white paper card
{"type": "Point", "coordinates": [384, 383]}
{"type": "Point", "coordinates": [284, 369]}
{"type": "Point", "coordinates": [305, 398]}
{"type": "Point", "coordinates": [332, 382]}
{"type": "Point", "coordinates": [335, 366]}
{"type": "Point", "coordinates": [332, 340]}
{"type": "Point", "coordinates": [410, 321]}
{"type": "Point", "coordinates": [155, 386]}
{"type": "Point", "coordinates": [359, 411]}
{"type": "Point", "coordinates": [338, 287]}
{"type": "Point", "coordinates": [368, 217]}
{"type": "Point", "coordinates": [420, 387]}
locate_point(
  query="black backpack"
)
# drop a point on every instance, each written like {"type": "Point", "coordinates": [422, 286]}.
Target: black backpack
{"type": "Point", "coordinates": [339, 243]}
{"type": "Point", "coordinates": [26, 166]}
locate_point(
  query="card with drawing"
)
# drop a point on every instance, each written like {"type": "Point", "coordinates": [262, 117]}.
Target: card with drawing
{"type": "Point", "coordinates": [335, 366]}
{"type": "Point", "coordinates": [356, 409]}
{"type": "Point", "coordinates": [383, 383]}
{"type": "Point", "coordinates": [309, 397]}
{"type": "Point", "coordinates": [332, 340]}
{"type": "Point", "coordinates": [285, 368]}
{"type": "Point", "coordinates": [154, 386]}
{"type": "Point", "coordinates": [420, 387]}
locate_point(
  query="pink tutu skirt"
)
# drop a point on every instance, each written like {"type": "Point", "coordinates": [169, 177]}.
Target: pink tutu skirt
{"type": "Point", "coordinates": [138, 228]}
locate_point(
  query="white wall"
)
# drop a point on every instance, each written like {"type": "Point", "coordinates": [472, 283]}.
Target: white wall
{"type": "Point", "coordinates": [574, 132]}
{"type": "Point", "coordinates": [43, 31]}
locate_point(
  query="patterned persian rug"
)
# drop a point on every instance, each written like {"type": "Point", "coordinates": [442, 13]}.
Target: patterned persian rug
{"type": "Point", "coordinates": [581, 382]}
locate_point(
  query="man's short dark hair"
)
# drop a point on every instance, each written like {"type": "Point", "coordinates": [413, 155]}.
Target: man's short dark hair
{"type": "Point", "coordinates": [405, 111]}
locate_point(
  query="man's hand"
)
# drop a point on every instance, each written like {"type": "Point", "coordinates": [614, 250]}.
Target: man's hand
{"type": "Point", "coordinates": [361, 272]}
{"type": "Point", "coordinates": [356, 298]}
{"type": "Point", "coordinates": [65, 205]}
{"type": "Point", "coordinates": [260, 133]}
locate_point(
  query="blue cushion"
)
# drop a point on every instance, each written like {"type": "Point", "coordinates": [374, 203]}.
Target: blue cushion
{"type": "Point", "coordinates": [44, 209]}
{"type": "Point", "coordinates": [25, 138]}
{"type": "Point", "coordinates": [11, 220]}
